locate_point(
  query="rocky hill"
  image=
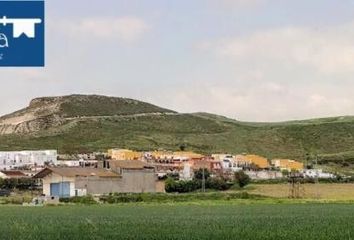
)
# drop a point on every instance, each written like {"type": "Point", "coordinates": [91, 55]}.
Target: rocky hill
{"type": "Point", "coordinates": [48, 112]}
{"type": "Point", "coordinates": [80, 123]}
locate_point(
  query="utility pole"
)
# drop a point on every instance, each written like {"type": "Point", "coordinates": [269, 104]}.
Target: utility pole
{"type": "Point", "coordinates": [317, 177]}
{"type": "Point", "coordinates": [203, 180]}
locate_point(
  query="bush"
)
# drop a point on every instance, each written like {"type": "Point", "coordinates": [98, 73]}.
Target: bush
{"type": "Point", "coordinates": [193, 185]}
{"type": "Point", "coordinates": [21, 183]}
{"type": "Point", "coordinates": [217, 184]}
{"type": "Point", "coordinates": [122, 198]}
{"type": "Point", "coordinates": [181, 186]}
{"type": "Point", "coordinates": [165, 197]}
{"type": "Point", "coordinates": [198, 174]}
{"type": "Point", "coordinates": [17, 200]}
{"type": "Point", "coordinates": [82, 200]}
{"type": "Point", "coordinates": [242, 179]}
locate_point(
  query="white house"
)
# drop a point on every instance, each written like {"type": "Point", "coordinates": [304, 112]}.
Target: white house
{"type": "Point", "coordinates": [317, 173]}
{"type": "Point", "coordinates": [16, 159]}
{"type": "Point", "coordinates": [230, 164]}
{"type": "Point", "coordinates": [234, 163]}
{"type": "Point", "coordinates": [77, 163]}
{"type": "Point", "coordinates": [264, 175]}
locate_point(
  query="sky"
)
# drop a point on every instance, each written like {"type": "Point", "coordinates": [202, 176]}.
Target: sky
{"type": "Point", "coordinates": [251, 60]}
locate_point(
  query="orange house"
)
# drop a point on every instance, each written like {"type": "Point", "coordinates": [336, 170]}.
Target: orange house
{"type": "Point", "coordinates": [259, 161]}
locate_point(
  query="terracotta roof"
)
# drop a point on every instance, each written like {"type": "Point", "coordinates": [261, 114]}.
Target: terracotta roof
{"type": "Point", "coordinates": [76, 172]}
{"type": "Point", "coordinates": [14, 173]}
{"type": "Point", "coordinates": [129, 164]}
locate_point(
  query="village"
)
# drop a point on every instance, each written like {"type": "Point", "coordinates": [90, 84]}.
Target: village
{"type": "Point", "coordinates": [128, 171]}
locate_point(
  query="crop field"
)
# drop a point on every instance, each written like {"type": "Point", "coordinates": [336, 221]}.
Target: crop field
{"type": "Point", "coordinates": [179, 221]}
{"type": "Point", "coordinates": [331, 191]}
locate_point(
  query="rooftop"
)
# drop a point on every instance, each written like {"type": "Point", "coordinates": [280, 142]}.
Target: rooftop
{"type": "Point", "coordinates": [129, 164]}
{"type": "Point", "coordinates": [13, 173]}
{"type": "Point", "coordinates": [76, 172]}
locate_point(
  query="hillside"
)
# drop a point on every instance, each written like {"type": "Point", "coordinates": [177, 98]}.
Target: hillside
{"type": "Point", "coordinates": [81, 123]}
{"type": "Point", "coordinates": [48, 112]}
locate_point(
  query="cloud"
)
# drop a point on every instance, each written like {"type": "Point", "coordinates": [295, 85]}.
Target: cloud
{"type": "Point", "coordinates": [243, 3]}
{"type": "Point", "coordinates": [126, 29]}
{"type": "Point", "coordinates": [265, 101]}
{"type": "Point", "coordinates": [328, 51]}
{"type": "Point", "coordinates": [273, 75]}
{"type": "Point", "coordinates": [237, 4]}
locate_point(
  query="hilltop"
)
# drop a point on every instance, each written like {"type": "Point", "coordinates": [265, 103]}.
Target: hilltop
{"type": "Point", "coordinates": [47, 112]}
{"type": "Point", "coordinates": [80, 123]}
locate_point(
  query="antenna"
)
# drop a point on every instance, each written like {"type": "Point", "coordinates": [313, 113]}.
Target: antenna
{"type": "Point", "coordinates": [203, 180]}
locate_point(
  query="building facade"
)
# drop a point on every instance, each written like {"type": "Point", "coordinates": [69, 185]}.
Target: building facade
{"type": "Point", "coordinates": [79, 181]}
{"type": "Point", "coordinates": [124, 154]}
{"type": "Point", "coordinates": [20, 159]}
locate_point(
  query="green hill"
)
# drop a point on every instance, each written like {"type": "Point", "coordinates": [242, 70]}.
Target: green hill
{"type": "Point", "coordinates": [96, 123]}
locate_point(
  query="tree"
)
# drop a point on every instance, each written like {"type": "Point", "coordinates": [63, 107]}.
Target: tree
{"type": "Point", "coordinates": [2, 183]}
{"type": "Point", "coordinates": [217, 184]}
{"type": "Point", "coordinates": [198, 174]}
{"type": "Point", "coordinates": [170, 185]}
{"type": "Point", "coordinates": [242, 179]}
{"type": "Point", "coordinates": [182, 147]}
{"type": "Point", "coordinates": [285, 172]}
{"type": "Point", "coordinates": [181, 186]}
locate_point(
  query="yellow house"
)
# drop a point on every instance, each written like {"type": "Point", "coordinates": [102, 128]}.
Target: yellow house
{"type": "Point", "coordinates": [261, 162]}
{"type": "Point", "coordinates": [189, 155]}
{"type": "Point", "coordinates": [287, 164]}
{"type": "Point", "coordinates": [162, 155]}
{"type": "Point", "coordinates": [175, 155]}
{"type": "Point", "coordinates": [124, 154]}
{"type": "Point", "coordinates": [220, 157]}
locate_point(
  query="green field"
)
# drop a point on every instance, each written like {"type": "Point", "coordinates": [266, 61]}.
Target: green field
{"type": "Point", "coordinates": [179, 221]}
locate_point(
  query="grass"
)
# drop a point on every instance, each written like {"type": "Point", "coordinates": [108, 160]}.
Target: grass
{"type": "Point", "coordinates": [179, 221]}
{"type": "Point", "coordinates": [95, 105]}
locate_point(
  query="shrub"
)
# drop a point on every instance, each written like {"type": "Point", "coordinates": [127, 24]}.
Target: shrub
{"type": "Point", "coordinates": [21, 183]}
{"type": "Point", "coordinates": [198, 174]}
{"type": "Point", "coordinates": [82, 200]}
{"type": "Point", "coordinates": [181, 186]}
{"type": "Point", "coordinates": [242, 179]}
{"type": "Point", "coordinates": [165, 197]}
{"type": "Point", "coordinates": [17, 200]}
{"type": "Point", "coordinates": [285, 172]}
{"type": "Point", "coordinates": [193, 185]}
{"type": "Point", "coordinates": [217, 184]}
{"type": "Point", "coordinates": [170, 185]}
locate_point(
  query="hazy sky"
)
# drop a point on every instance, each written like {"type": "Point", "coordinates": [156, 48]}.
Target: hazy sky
{"type": "Point", "coordinates": [255, 60]}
